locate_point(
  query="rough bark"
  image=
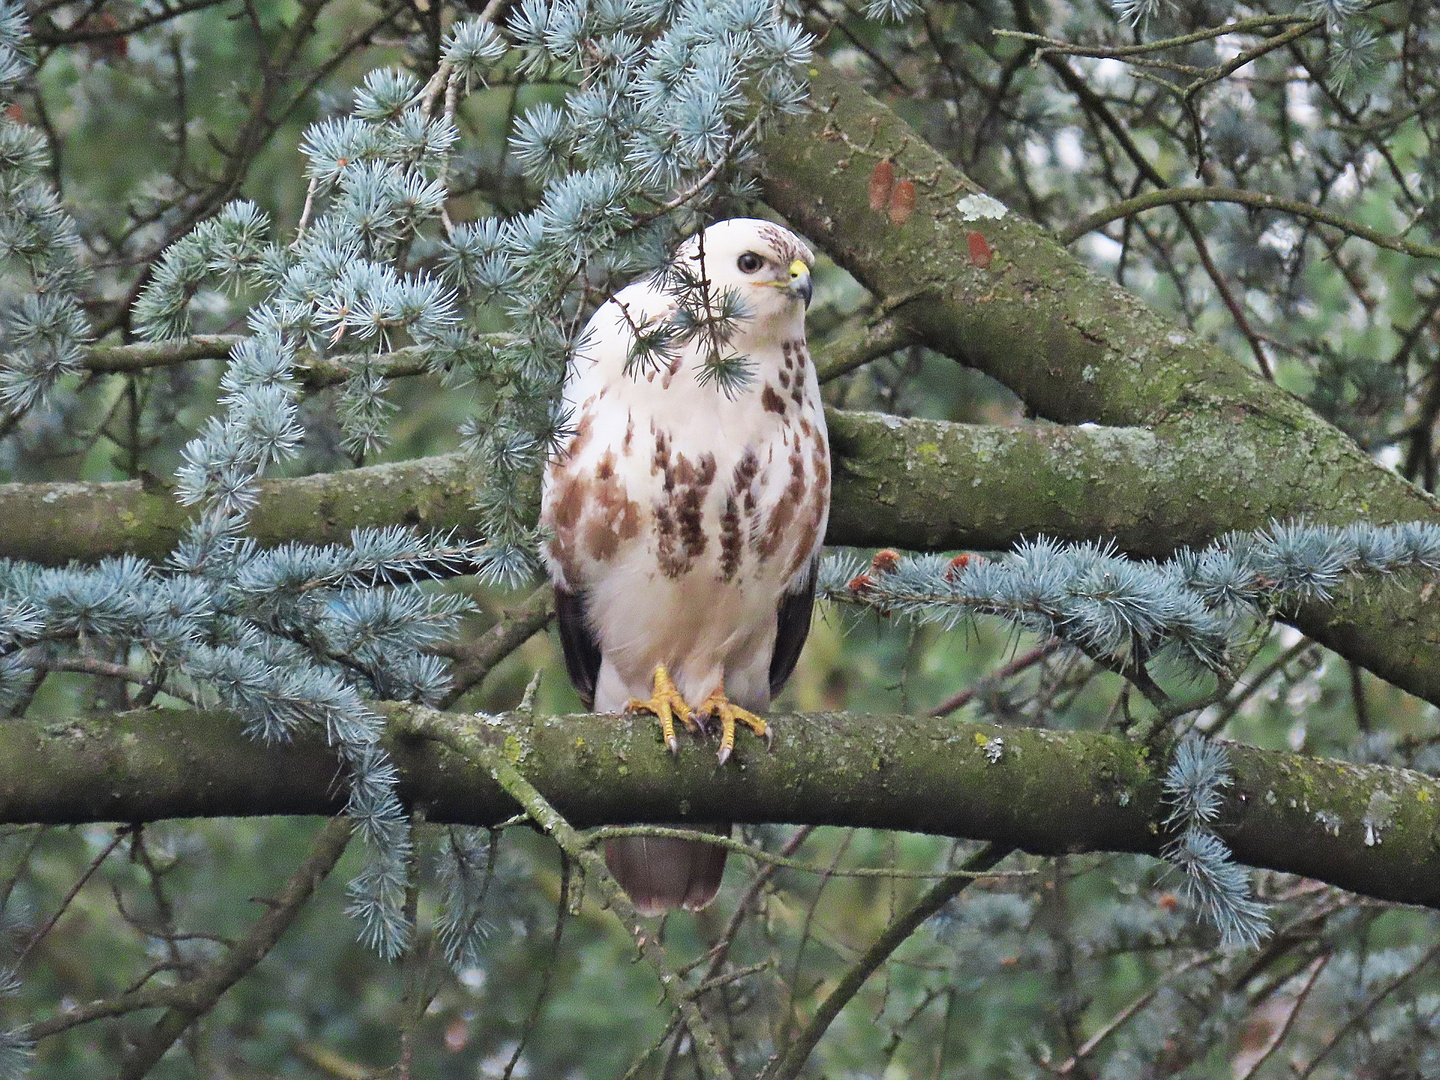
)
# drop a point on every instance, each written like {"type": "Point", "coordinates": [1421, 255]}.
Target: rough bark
{"type": "Point", "coordinates": [57, 522]}
{"type": "Point", "coordinates": [917, 484]}
{"type": "Point", "coordinates": [1368, 828]}
{"type": "Point", "coordinates": [920, 484]}
{"type": "Point", "coordinates": [1001, 294]}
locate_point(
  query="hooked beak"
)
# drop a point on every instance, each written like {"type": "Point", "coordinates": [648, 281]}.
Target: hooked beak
{"type": "Point", "coordinates": [800, 281]}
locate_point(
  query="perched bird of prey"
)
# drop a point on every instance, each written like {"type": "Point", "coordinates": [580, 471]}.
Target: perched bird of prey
{"type": "Point", "coordinates": [686, 513]}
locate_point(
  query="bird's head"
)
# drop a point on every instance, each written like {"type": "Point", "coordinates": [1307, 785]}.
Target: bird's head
{"type": "Point", "coordinates": [764, 264]}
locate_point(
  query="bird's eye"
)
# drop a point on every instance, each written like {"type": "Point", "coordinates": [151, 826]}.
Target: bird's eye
{"type": "Point", "coordinates": [749, 262]}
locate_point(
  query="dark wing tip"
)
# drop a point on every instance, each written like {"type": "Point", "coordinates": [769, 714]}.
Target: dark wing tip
{"type": "Point", "coordinates": [792, 628]}
{"type": "Point", "coordinates": [582, 651]}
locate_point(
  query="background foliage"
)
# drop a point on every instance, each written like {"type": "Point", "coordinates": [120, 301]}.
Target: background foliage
{"type": "Point", "coordinates": [1288, 161]}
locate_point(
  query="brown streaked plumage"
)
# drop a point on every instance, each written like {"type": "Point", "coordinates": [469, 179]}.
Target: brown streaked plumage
{"type": "Point", "coordinates": [686, 524]}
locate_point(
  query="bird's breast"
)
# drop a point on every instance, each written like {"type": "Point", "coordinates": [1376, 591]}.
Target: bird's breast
{"type": "Point", "coordinates": [684, 484]}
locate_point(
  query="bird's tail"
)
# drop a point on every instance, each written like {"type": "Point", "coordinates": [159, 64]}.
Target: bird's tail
{"type": "Point", "coordinates": [659, 872]}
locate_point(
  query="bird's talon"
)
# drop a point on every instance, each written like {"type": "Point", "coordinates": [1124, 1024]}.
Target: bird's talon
{"type": "Point", "coordinates": [719, 706]}
{"type": "Point", "coordinates": [665, 704]}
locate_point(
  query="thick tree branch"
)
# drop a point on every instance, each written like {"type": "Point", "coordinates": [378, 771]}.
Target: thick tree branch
{"type": "Point", "coordinates": [996, 291]}
{"type": "Point", "coordinates": [917, 484]}
{"type": "Point", "coordinates": [55, 523]}
{"type": "Point", "coordinates": [1368, 828]}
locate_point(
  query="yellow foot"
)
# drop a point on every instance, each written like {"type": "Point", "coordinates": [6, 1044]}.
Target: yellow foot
{"type": "Point", "coordinates": [666, 704]}
{"type": "Point", "coordinates": [717, 704]}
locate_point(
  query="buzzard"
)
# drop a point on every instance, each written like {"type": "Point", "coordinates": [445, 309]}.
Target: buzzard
{"type": "Point", "coordinates": [686, 513]}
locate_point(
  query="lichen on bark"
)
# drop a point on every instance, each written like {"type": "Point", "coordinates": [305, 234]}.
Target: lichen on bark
{"type": "Point", "coordinates": [1371, 829]}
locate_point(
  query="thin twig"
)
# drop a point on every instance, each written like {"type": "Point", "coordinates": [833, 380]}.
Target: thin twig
{"type": "Point", "coordinates": [198, 996]}
{"type": "Point", "coordinates": [787, 1065]}
{"type": "Point", "coordinates": [89, 872]}
{"type": "Point", "coordinates": [547, 971]}
{"type": "Point", "coordinates": [610, 832]}
{"type": "Point", "coordinates": [1124, 1015]}
{"type": "Point", "coordinates": [1009, 671]}
{"type": "Point", "coordinates": [1316, 967]}
{"type": "Point", "coordinates": [433, 725]}
{"type": "Point", "coordinates": [474, 660]}
{"type": "Point", "coordinates": [1363, 1014]}
{"type": "Point", "coordinates": [1120, 52]}
{"type": "Point", "coordinates": [1262, 200]}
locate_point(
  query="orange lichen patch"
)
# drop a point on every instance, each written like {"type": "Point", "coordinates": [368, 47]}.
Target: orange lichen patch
{"type": "Point", "coordinates": [902, 202]}
{"type": "Point", "coordinates": [882, 183]}
{"type": "Point", "coordinates": [980, 251]}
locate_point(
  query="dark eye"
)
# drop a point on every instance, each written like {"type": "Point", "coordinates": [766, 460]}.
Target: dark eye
{"type": "Point", "coordinates": [749, 262]}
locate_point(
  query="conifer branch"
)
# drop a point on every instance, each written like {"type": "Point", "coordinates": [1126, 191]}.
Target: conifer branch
{"type": "Point", "coordinates": [979, 283]}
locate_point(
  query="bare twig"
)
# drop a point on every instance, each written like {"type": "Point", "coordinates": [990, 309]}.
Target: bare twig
{"type": "Point", "coordinates": [1009, 671]}
{"type": "Point", "coordinates": [432, 725]}
{"type": "Point", "coordinates": [1171, 196]}
{"type": "Point", "coordinates": [1316, 967]}
{"type": "Point", "coordinates": [89, 872]}
{"type": "Point", "coordinates": [547, 971]}
{"type": "Point", "coordinates": [1362, 1014]}
{"type": "Point", "coordinates": [787, 1065]}
{"type": "Point", "coordinates": [474, 660]}
{"type": "Point", "coordinates": [195, 998]}
{"type": "Point", "coordinates": [1128, 1012]}
{"type": "Point", "coordinates": [831, 869]}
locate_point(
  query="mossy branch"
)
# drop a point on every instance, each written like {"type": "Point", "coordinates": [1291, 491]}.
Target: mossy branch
{"type": "Point", "coordinates": [466, 741]}
{"type": "Point", "coordinates": [916, 484]}
{"type": "Point", "coordinates": [996, 291]}
{"type": "Point", "coordinates": [1368, 828]}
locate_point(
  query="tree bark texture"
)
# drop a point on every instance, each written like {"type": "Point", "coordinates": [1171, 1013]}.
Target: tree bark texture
{"type": "Point", "coordinates": [917, 484]}
{"type": "Point", "coordinates": [998, 292]}
{"type": "Point", "coordinates": [1372, 829]}
{"type": "Point", "coordinates": [1194, 444]}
